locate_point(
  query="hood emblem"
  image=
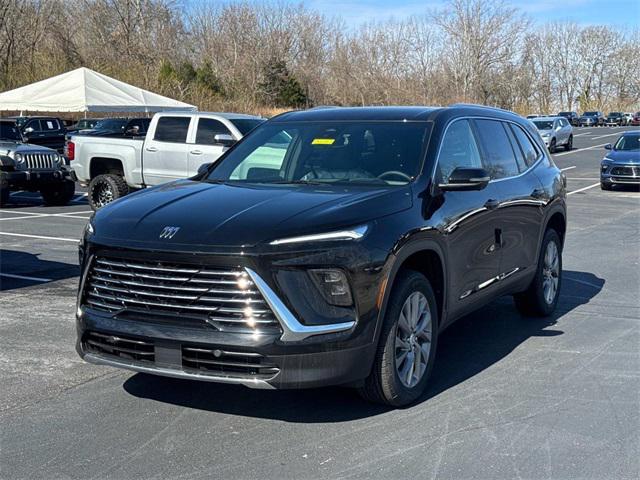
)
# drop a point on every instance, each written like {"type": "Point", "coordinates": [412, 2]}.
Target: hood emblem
{"type": "Point", "coordinates": [168, 232]}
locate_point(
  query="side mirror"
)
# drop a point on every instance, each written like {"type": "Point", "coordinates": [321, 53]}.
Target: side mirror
{"type": "Point", "coordinates": [204, 167]}
{"type": "Point", "coordinates": [466, 179]}
{"type": "Point", "coordinates": [224, 139]}
{"type": "Point", "coordinates": [608, 146]}
{"type": "Point", "coordinates": [28, 130]}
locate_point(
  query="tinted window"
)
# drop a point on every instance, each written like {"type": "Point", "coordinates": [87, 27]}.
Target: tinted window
{"type": "Point", "coordinates": [9, 131]}
{"type": "Point", "coordinates": [208, 128]}
{"type": "Point", "coordinates": [49, 124]}
{"type": "Point", "coordinates": [499, 158]}
{"type": "Point", "coordinates": [529, 151]}
{"type": "Point", "coordinates": [142, 124]}
{"type": "Point", "coordinates": [628, 142]}
{"type": "Point", "coordinates": [35, 124]}
{"type": "Point", "coordinates": [172, 129]}
{"type": "Point", "coordinates": [458, 149]}
{"type": "Point", "coordinates": [245, 125]}
{"type": "Point", "coordinates": [522, 166]}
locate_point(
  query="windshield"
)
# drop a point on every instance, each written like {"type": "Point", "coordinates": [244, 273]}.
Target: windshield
{"type": "Point", "coordinates": [86, 123]}
{"type": "Point", "coordinates": [543, 124]}
{"type": "Point", "coordinates": [565, 114]}
{"type": "Point", "coordinates": [111, 124]}
{"type": "Point", "coordinates": [245, 125]}
{"type": "Point", "coordinates": [628, 142]}
{"type": "Point", "coordinates": [9, 131]}
{"type": "Point", "coordinates": [615, 114]}
{"type": "Point", "coordinates": [376, 153]}
{"type": "Point", "coordinates": [590, 114]}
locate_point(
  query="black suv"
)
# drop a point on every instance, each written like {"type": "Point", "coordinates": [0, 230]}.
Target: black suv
{"type": "Point", "coordinates": [572, 117]}
{"type": "Point", "coordinates": [118, 127]}
{"type": "Point", "coordinates": [46, 131]}
{"type": "Point", "coordinates": [328, 246]}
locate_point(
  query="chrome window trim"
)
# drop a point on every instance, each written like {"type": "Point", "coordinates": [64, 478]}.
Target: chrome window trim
{"type": "Point", "coordinates": [541, 154]}
{"type": "Point", "coordinates": [293, 330]}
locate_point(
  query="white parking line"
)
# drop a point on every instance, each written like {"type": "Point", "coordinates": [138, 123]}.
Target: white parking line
{"type": "Point", "coordinates": [579, 150]}
{"type": "Point", "coordinates": [583, 189]}
{"type": "Point", "coordinates": [608, 135]}
{"type": "Point", "coordinates": [21, 218]}
{"type": "Point", "coordinates": [23, 277]}
{"type": "Point", "coordinates": [75, 240]}
{"type": "Point", "coordinates": [579, 134]}
{"type": "Point", "coordinates": [568, 168]}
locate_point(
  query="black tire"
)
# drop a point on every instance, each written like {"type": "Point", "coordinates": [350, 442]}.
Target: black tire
{"type": "Point", "coordinates": [4, 196]}
{"type": "Point", "coordinates": [106, 188]}
{"type": "Point", "coordinates": [569, 144]}
{"type": "Point", "coordinates": [532, 302]}
{"type": "Point", "coordinates": [383, 385]}
{"type": "Point", "coordinates": [58, 194]}
{"type": "Point", "coordinates": [552, 146]}
{"type": "Point", "coordinates": [606, 186]}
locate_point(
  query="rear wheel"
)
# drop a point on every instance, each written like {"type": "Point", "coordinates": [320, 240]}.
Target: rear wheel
{"type": "Point", "coordinates": [58, 194]}
{"type": "Point", "coordinates": [106, 188]}
{"type": "Point", "coordinates": [541, 298]}
{"type": "Point", "coordinates": [552, 146]}
{"type": "Point", "coordinates": [407, 345]}
{"type": "Point", "coordinates": [569, 144]}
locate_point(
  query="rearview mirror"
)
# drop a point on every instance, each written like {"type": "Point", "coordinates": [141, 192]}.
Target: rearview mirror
{"type": "Point", "coordinates": [28, 130]}
{"type": "Point", "coordinates": [466, 179]}
{"type": "Point", "coordinates": [224, 139]}
{"type": "Point", "coordinates": [608, 146]}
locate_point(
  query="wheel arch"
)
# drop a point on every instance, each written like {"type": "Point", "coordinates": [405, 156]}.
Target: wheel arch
{"type": "Point", "coordinates": [105, 165]}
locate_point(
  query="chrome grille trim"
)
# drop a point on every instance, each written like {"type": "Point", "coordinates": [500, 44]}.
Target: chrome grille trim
{"type": "Point", "coordinates": [225, 298]}
{"type": "Point", "coordinates": [40, 161]}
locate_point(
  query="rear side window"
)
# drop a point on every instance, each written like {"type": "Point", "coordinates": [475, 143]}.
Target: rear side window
{"type": "Point", "coordinates": [529, 151]}
{"type": "Point", "coordinates": [499, 158]}
{"type": "Point", "coordinates": [458, 149]}
{"type": "Point", "coordinates": [35, 124]}
{"type": "Point", "coordinates": [172, 129]}
{"type": "Point", "coordinates": [208, 128]}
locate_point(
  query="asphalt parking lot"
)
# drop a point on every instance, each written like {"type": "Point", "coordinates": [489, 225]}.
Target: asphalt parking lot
{"type": "Point", "coordinates": [510, 397]}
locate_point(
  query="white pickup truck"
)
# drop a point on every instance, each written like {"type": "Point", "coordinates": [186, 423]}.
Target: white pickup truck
{"type": "Point", "coordinates": [175, 146]}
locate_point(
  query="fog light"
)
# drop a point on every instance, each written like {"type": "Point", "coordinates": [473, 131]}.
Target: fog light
{"type": "Point", "coordinates": [333, 286]}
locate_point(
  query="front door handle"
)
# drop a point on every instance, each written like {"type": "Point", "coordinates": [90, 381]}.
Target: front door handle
{"type": "Point", "coordinates": [152, 149]}
{"type": "Point", "coordinates": [195, 152]}
{"type": "Point", "coordinates": [492, 204]}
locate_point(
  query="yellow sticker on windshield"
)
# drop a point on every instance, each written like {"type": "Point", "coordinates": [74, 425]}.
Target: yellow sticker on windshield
{"type": "Point", "coordinates": [323, 141]}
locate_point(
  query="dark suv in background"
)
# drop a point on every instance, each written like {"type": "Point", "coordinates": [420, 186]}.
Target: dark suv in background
{"type": "Point", "coordinates": [46, 131]}
{"type": "Point", "coordinates": [572, 117]}
{"type": "Point", "coordinates": [592, 119]}
{"type": "Point", "coordinates": [328, 246]}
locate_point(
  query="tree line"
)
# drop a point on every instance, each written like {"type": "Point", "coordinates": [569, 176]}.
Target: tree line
{"type": "Point", "coordinates": [266, 56]}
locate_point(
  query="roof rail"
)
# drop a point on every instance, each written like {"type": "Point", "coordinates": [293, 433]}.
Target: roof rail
{"type": "Point", "coordinates": [323, 107]}
{"type": "Point", "coordinates": [477, 105]}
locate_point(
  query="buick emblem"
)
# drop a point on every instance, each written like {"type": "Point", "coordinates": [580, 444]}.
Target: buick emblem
{"type": "Point", "coordinates": [168, 232]}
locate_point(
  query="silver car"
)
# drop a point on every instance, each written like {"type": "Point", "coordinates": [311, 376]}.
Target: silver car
{"type": "Point", "coordinates": [555, 131]}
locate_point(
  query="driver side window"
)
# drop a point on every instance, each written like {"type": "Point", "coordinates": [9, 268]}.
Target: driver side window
{"type": "Point", "coordinates": [458, 149]}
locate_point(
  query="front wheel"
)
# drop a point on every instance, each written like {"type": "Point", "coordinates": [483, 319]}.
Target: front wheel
{"type": "Point", "coordinates": [552, 146]}
{"type": "Point", "coordinates": [58, 194]}
{"type": "Point", "coordinates": [569, 144]}
{"type": "Point", "coordinates": [407, 345]}
{"type": "Point", "coordinates": [106, 188]}
{"type": "Point", "coordinates": [541, 298]}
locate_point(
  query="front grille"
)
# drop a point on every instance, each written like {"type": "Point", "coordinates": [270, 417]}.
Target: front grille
{"type": "Point", "coordinates": [40, 161]}
{"type": "Point", "coordinates": [226, 363]}
{"type": "Point", "coordinates": [625, 171]}
{"type": "Point", "coordinates": [119, 346]}
{"type": "Point", "coordinates": [226, 299]}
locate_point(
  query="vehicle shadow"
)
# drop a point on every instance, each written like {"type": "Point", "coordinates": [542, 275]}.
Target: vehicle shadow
{"type": "Point", "coordinates": [19, 200]}
{"type": "Point", "coordinates": [471, 345]}
{"type": "Point", "coordinates": [22, 269]}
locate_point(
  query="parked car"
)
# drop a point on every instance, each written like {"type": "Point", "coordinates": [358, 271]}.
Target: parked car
{"type": "Point", "coordinates": [627, 118]}
{"type": "Point", "coordinates": [572, 117]}
{"type": "Point", "coordinates": [592, 119]}
{"type": "Point", "coordinates": [45, 131]}
{"type": "Point", "coordinates": [615, 119]}
{"type": "Point", "coordinates": [555, 131]}
{"type": "Point", "coordinates": [118, 127]}
{"type": "Point", "coordinates": [32, 168]}
{"type": "Point", "coordinates": [176, 145]}
{"type": "Point", "coordinates": [82, 124]}
{"type": "Point", "coordinates": [338, 262]}
{"type": "Point", "coordinates": [621, 165]}
{"type": "Point", "coordinates": [533, 115]}
{"type": "Point", "coordinates": [635, 121]}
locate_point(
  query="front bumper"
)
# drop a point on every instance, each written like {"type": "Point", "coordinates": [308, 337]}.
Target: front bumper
{"type": "Point", "coordinates": [33, 179]}
{"type": "Point", "coordinates": [621, 174]}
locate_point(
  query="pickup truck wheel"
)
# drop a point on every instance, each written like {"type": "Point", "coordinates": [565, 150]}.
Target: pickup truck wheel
{"type": "Point", "coordinates": [4, 196]}
{"type": "Point", "coordinates": [541, 298]}
{"type": "Point", "coordinates": [58, 194]}
{"type": "Point", "coordinates": [106, 188]}
{"type": "Point", "coordinates": [407, 346]}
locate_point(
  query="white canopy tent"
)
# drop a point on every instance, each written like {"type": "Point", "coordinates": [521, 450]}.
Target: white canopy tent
{"type": "Point", "coordinates": [84, 90]}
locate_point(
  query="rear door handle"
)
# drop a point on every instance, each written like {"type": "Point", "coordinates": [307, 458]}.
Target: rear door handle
{"type": "Point", "coordinates": [492, 204]}
{"type": "Point", "coordinates": [152, 149]}
{"type": "Point", "coordinates": [195, 152]}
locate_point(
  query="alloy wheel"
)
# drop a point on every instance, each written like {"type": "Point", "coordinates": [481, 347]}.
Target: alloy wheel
{"type": "Point", "coordinates": [414, 332]}
{"type": "Point", "coordinates": [550, 272]}
{"type": "Point", "coordinates": [103, 194]}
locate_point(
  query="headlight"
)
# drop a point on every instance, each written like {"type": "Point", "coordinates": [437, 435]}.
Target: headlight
{"type": "Point", "coordinates": [89, 229]}
{"type": "Point", "coordinates": [18, 158]}
{"type": "Point", "coordinates": [545, 135]}
{"type": "Point", "coordinates": [607, 159]}
{"type": "Point", "coordinates": [333, 286]}
{"type": "Point", "coordinates": [55, 158]}
{"type": "Point", "coordinates": [352, 234]}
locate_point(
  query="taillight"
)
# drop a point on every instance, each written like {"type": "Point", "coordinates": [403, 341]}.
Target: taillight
{"type": "Point", "coordinates": [70, 150]}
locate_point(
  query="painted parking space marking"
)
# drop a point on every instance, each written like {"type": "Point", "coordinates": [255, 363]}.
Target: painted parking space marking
{"type": "Point", "coordinates": [580, 150]}
{"type": "Point", "coordinates": [43, 237]}
{"type": "Point", "coordinates": [607, 135]}
{"type": "Point", "coordinates": [567, 168]}
{"type": "Point", "coordinates": [24, 277]}
{"type": "Point", "coordinates": [583, 189]}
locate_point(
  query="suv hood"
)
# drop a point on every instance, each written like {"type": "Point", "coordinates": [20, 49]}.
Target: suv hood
{"type": "Point", "coordinates": [242, 215]}
{"type": "Point", "coordinates": [7, 147]}
{"type": "Point", "coordinates": [624, 156]}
